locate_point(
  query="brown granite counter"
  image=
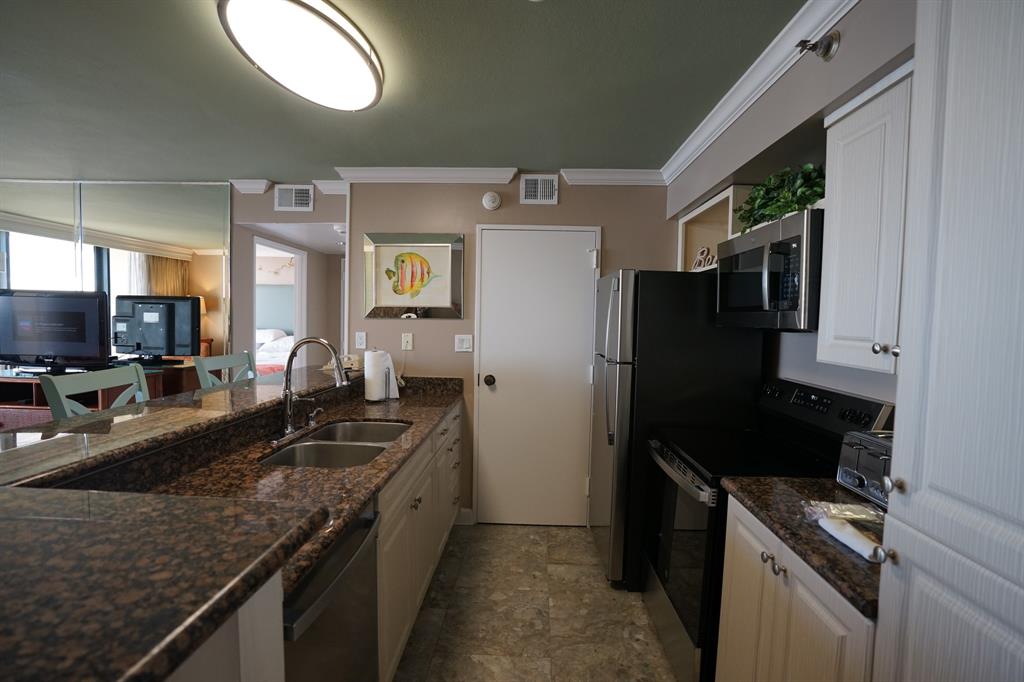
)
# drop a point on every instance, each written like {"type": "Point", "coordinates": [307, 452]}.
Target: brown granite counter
{"type": "Point", "coordinates": [344, 492]}
{"type": "Point", "coordinates": [777, 503]}
{"type": "Point", "coordinates": [115, 586]}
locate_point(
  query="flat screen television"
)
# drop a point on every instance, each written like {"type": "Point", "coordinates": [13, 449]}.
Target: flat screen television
{"type": "Point", "coordinates": [154, 326]}
{"type": "Point", "coordinates": [54, 329]}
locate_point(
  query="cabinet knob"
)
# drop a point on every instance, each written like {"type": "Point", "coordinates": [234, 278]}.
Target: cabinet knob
{"type": "Point", "coordinates": [877, 348]}
{"type": "Point", "coordinates": [456, 499]}
{"type": "Point", "coordinates": [456, 464]}
{"type": "Point", "coordinates": [778, 569]}
{"type": "Point", "coordinates": [766, 557]}
{"type": "Point", "coordinates": [897, 484]}
{"type": "Point", "coordinates": [896, 351]}
{"type": "Point", "coordinates": [880, 555]}
{"type": "Point", "coordinates": [416, 502]}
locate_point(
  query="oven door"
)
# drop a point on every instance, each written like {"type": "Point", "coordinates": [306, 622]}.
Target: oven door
{"type": "Point", "coordinates": [744, 264]}
{"type": "Point", "coordinates": [682, 550]}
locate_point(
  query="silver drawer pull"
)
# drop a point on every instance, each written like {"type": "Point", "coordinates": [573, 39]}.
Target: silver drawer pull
{"type": "Point", "coordinates": [766, 557]}
{"type": "Point", "coordinates": [779, 569]}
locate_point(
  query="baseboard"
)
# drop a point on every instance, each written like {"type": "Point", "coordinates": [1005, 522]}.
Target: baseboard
{"type": "Point", "coordinates": [466, 517]}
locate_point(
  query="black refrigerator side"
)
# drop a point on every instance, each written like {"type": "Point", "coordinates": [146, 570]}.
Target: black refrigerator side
{"type": "Point", "coordinates": [686, 371]}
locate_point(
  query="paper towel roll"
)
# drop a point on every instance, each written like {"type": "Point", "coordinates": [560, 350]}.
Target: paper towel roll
{"type": "Point", "coordinates": [376, 364]}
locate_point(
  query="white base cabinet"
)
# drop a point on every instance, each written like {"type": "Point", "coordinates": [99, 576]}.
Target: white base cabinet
{"type": "Point", "coordinates": [790, 626]}
{"type": "Point", "coordinates": [418, 507]}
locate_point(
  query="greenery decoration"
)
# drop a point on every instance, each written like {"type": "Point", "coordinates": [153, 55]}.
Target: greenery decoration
{"type": "Point", "coordinates": [784, 192]}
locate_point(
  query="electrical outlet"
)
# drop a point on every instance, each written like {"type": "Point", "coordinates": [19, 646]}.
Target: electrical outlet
{"type": "Point", "coordinates": [360, 340]}
{"type": "Point", "coordinates": [463, 343]}
{"type": "Point", "coordinates": [407, 341]}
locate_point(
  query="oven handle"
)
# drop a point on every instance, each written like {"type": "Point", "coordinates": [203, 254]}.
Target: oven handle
{"type": "Point", "coordinates": [765, 265]}
{"type": "Point", "coordinates": [687, 482]}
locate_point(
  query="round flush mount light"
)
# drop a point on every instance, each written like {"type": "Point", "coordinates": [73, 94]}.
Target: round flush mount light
{"type": "Point", "coordinates": [308, 47]}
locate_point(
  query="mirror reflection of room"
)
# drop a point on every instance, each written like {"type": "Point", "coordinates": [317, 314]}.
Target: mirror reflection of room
{"type": "Point", "coordinates": [102, 275]}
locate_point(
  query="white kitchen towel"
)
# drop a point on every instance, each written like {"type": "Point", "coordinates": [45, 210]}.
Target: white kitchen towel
{"type": "Point", "coordinates": [848, 535]}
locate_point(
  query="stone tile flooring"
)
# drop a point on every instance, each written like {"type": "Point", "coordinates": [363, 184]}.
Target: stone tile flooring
{"type": "Point", "coordinates": [528, 603]}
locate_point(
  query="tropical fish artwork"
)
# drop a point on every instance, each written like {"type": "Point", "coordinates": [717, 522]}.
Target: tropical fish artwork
{"type": "Point", "coordinates": [412, 273]}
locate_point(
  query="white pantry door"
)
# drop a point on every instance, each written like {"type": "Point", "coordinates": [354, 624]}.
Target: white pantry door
{"type": "Point", "coordinates": [535, 327]}
{"type": "Point", "coordinates": [951, 607]}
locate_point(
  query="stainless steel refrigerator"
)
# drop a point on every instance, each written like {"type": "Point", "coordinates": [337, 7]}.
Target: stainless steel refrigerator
{"type": "Point", "coordinates": [659, 360]}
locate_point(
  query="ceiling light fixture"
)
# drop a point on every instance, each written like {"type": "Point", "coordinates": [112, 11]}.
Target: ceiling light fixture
{"type": "Point", "coordinates": [308, 47]}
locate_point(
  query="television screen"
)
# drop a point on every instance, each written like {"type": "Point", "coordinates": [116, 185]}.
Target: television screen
{"type": "Point", "coordinates": [153, 326]}
{"type": "Point", "coordinates": [54, 327]}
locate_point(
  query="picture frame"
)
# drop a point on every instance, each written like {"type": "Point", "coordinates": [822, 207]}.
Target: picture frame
{"type": "Point", "coordinates": [413, 276]}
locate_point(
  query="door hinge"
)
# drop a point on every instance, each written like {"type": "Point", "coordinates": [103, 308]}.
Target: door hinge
{"type": "Point", "coordinates": [595, 257]}
{"type": "Point", "coordinates": [590, 374]}
{"type": "Point", "coordinates": [478, 378]}
{"type": "Point", "coordinates": [586, 486]}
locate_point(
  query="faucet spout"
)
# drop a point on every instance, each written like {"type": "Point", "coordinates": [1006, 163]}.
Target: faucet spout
{"type": "Point", "coordinates": [287, 392]}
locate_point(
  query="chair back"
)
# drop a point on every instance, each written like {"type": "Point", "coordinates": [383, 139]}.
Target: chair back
{"type": "Point", "coordinates": [243, 364]}
{"type": "Point", "coordinates": [58, 388]}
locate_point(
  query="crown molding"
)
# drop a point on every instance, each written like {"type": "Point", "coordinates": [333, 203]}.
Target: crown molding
{"type": "Point", "coordinates": [813, 19]}
{"type": "Point", "coordinates": [210, 252]}
{"type": "Point", "coordinates": [613, 176]}
{"type": "Point", "coordinates": [251, 186]}
{"type": "Point", "coordinates": [332, 186]}
{"type": "Point", "coordinates": [478, 176]}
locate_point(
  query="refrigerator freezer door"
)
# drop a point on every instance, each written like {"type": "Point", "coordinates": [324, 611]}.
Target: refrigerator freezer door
{"type": "Point", "coordinates": [608, 463]}
{"type": "Point", "coordinates": [607, 288]}
{"type": "Point", "coordinates": [620, 319]}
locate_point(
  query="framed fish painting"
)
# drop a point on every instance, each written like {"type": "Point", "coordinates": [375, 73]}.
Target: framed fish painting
{"type": "Point", "coordinates": [412, 276]}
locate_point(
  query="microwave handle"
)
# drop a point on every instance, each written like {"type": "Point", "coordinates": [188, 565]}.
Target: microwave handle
{"type": "Point", "coordinates": [765, 264]}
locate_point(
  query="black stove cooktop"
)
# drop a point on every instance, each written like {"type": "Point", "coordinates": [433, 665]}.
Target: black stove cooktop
{"type": "Point", "coordinates": [799, 432]}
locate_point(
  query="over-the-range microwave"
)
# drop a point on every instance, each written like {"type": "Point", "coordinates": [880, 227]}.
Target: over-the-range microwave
{"type": "Point", "coordinates": [770, 277]}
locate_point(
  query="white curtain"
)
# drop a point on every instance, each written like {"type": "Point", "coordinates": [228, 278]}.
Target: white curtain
{"type": "Point", "coordinates": [138, 274]}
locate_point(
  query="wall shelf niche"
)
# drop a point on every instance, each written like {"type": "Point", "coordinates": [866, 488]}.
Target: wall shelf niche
{"type": "Point", "coordinates": [712, 222]}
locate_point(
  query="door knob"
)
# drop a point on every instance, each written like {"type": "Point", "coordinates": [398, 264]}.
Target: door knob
{"type": "Point", "coordinates": [489, 379]}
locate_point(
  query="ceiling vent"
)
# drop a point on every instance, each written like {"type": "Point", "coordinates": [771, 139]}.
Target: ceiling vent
{"type": "Point", "coordinates": [293, 198]}
{"type": "Point", "coordinates": [538, 189]}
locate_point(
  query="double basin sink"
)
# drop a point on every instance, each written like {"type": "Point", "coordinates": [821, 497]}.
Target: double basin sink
{"type": "Point", "coordinates": [340, 445]}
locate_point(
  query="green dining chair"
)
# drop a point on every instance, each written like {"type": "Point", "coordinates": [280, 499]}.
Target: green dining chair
{"type": "Point", "coordinates": [243, 364]}
{"type": "Point", "coordinates": [58, 388]}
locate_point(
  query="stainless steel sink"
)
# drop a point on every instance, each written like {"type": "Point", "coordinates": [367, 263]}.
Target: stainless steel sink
{"type": "Point", "coordinates": [325, 454]}
{"type": "Point", "coordinates": [359, 432]}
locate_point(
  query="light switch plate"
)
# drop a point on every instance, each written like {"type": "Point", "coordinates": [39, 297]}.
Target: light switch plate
{"type": "Point", "coordinates": [360, 340]}
{"type": "Point", "coordinates": [463, 343]}
{"type": "Point", "coordinates": [406, 340]}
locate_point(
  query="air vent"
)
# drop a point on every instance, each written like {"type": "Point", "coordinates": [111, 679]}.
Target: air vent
{"type": "Point", "coordinates": [293, 197]}
{"type": "Point", "coordinates": [538, 189]}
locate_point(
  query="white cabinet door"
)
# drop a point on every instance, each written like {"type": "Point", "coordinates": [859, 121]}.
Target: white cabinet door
{"type": "Point", "coordinates": [817, 635]}
{"type": "Point", "coordinates": [396, 603]}
{"type": "Point", "coordinates": [953, 607]}
{"type": "Point", "coordinates": [748, 590]}
{"type": "Point", "coordinates": [862, 246]}
{"type": "Point", "coordinates": [424, 534]}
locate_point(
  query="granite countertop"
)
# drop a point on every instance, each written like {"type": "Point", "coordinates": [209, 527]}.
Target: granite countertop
{"type": "Point", "coordinates": [777, 503]}
{"type": "Point", "coordinates": [60, 449]}
{"type": "Point", "coordinates": [344, 492]}
{"type": "Point", "coordinates": [98, 585]}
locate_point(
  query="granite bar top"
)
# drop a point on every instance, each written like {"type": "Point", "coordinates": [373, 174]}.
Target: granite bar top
{"type": "Point", "coordinates": [239, 473]}
{"type": "Point", "coordinates": [777, 503]}
{"type": "Point", "coordinates": [63, 448]}
{"type": "Point", "coordinates": [119, 586]}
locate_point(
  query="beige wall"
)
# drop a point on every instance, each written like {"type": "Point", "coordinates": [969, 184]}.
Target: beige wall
{"type": "Point", "coordinates": [634, 233]}
{"type": "Point", "coordinates": [274, 270]}
{"type": "Point", "coordinates": [876, 34]}
{"type": "Point", "coordinates": [206, 279]}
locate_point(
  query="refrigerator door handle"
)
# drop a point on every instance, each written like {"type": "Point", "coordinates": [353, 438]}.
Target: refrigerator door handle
{"type": "Point", "coordinates": [765, 266]}
{"type": "Point", "coordinates": [607, 408]}
{"type": "Point", "coordinates": [608, 317]}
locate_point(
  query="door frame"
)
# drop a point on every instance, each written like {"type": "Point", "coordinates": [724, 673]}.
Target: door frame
{"type": "Point", "coordinates": [480, 229]}
{"type": "Point", "coordinates": [299, 330]}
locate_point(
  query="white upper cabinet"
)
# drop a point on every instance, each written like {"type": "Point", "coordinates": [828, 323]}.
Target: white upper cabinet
{"type": "Point", "coordinates": [862, 250]}
{"type": "Point", "coordinates": [952, 606]}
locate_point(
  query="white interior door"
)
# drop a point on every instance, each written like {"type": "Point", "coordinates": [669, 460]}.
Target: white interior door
{"type": "Point", "coordinates": [535, 322]}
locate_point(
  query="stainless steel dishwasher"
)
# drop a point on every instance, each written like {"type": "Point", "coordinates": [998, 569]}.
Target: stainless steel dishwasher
{"type": "Point", "coordinates": [330, 620]}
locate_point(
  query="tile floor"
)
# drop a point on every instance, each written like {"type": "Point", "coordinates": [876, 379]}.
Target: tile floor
{"type": "Point", "coordinates": [528, 603]}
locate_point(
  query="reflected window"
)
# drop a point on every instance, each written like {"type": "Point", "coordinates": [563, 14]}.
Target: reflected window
{"type": "Point", "coordinates": [47, 264]}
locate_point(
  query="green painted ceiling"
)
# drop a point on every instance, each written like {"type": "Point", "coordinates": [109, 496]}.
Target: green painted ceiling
{"type": "Point", "coordinates": [153, 89]}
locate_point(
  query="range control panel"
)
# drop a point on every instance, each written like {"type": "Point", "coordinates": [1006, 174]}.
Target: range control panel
{"type": "Point", "coordinates": [829, 410]}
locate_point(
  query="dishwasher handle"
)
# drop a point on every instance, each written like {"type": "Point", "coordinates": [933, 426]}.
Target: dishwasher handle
{"type": "Point", "coordinates": [297, 622]}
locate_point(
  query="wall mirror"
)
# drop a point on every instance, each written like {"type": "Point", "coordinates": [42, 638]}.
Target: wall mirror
{"type": "Point", "coordinates": [137, 239]}
{"type": "Point", "coordinates": [413, 276]}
